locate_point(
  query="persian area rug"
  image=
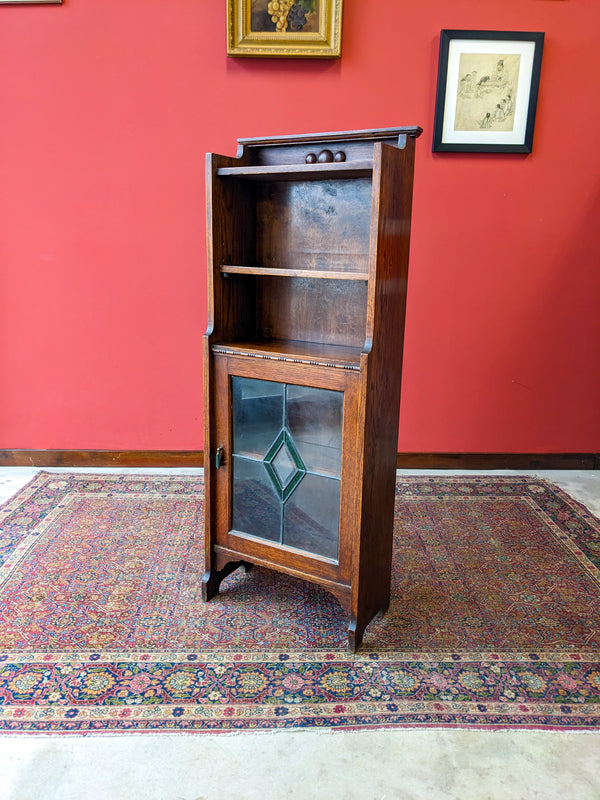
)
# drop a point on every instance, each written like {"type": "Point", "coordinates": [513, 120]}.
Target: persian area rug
{"type": "Point", "coordinates": [494, 620]}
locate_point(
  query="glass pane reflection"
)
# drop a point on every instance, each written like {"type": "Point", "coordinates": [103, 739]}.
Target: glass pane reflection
{"type": "Point", "coordinates": [257, 415]}
{"type": "Point", "coordinates": [314, 418]}
{"type": "Point", "coordinates": [256, 507]}
{"type": "Point", "coordinates": [311, 516]}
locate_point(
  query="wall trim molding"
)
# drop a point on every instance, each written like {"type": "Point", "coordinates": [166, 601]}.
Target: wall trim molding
{"type": "Point", "coordinates": [195, 458]}
{"type": "Point", "coordinates": [485, 461]}
{"type": "Point", "coordinates": [101, 458]}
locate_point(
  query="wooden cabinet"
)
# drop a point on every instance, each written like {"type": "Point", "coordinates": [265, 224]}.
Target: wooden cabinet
{"type": "Point", "coordinates": [308, 240]}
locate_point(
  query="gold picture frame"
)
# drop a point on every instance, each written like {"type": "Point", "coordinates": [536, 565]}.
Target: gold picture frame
{"type": "Point", "coordinates": [284, 28]}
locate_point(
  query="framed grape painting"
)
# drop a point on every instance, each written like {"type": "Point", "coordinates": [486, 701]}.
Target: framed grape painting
{"type": "Point", "coordinates": [284, 28]}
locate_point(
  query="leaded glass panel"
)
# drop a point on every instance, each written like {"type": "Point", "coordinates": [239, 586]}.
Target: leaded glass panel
{"type": "Point", "coordinates": [287, 448]}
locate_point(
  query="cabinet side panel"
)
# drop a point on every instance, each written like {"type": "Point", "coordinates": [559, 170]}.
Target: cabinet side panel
{"type": "Point", "coordinates": [208, 449]}
{"type": "Point", "coordinates": [228, 317]}
{"type": "Point", "coordinates": [390, 238]}
{"type": "Point", "coordinates": [231, 239]}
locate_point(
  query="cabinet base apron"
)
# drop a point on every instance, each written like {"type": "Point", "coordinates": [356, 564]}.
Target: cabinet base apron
{"type": "Point", "coordinates": [226, 561]}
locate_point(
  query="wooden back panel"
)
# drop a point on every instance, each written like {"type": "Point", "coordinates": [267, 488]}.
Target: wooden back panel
{"type": "Point", "coordinates": [321, 225]}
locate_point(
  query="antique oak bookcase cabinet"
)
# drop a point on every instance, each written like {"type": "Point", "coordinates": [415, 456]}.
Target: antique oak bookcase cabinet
{"type": "Point", "coordinates": [308, 240]}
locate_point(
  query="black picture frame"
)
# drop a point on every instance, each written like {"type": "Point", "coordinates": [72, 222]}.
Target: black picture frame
{"type": "Point", "coordinates": [482, 107]}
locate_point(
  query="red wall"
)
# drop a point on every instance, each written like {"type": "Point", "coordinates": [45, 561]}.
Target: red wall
{"type": "Point", "coordinates": [107, 109]}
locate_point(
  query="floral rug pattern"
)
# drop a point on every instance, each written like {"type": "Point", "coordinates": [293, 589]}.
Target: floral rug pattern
{"type": "Point", "coordinates": [494, 619]}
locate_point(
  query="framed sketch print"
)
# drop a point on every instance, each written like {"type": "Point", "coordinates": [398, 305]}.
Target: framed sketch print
{"type": "Point", "coordinates": [487, 91]}
{"type": "Point", "coordinates": [284, 28]}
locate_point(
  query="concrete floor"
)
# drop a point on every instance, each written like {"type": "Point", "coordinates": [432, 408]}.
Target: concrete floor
{"type": "Point", "coordinates": [432, 764]}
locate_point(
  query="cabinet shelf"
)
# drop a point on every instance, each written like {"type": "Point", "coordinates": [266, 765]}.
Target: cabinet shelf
{"type": "Point", "coordinates": [325, 355]}
{"type": "Point", "coordinates": [285, 272]}
{"type": "Point", "coordinates": [300, 172]}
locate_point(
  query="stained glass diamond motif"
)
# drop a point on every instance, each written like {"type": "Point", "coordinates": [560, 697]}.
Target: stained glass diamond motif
{"type": "Point", "coordinates": [284, 465]}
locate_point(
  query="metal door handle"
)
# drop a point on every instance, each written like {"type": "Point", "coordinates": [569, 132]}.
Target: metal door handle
{"type": "Point", "coordinates": [219, 456]}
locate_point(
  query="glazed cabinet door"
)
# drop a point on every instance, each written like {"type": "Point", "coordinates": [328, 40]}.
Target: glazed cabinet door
{"type": "Point", "coordinates": [284, 476]}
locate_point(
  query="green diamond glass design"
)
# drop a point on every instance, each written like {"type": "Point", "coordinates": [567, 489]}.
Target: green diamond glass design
{"type": "Point", "coordinates": [284, 465]}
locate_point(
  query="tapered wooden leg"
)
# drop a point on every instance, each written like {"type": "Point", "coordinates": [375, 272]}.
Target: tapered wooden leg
{"type": "Point", "coordinates": [355, 634]}
{"type": "Point", "coordinates": [211, 581]}
{"type": "Point", "coordinates": [357, 627]}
